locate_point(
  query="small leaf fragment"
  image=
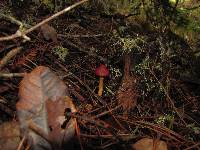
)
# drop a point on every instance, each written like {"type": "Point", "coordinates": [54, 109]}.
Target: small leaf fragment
{"type": "Point", "coordinates": [149, 144]}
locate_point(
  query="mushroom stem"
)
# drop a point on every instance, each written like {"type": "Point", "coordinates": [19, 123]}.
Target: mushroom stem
{"type": "Point", "coordinates": [100, 86]}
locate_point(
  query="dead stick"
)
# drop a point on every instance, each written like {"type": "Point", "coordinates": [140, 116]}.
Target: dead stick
{"type": "Point", "coordinates": [9, 55]}
{"type": "Point", "coordinates": [106, 112]}
{"type": "Point", "coordinates": [80, 36]}
{"type": "Point", "coordinates": [11, 75]}
{"type": "Point", "coordinates": [21, 143]}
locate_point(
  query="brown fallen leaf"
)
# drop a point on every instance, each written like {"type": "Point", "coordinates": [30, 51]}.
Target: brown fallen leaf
{"type": "Point", "coordinates": [9, 135]}
{"type": "Point", "coordinates": [149, 144]}
{"type": "Point", "coordinates": [61, 133]}
{"type": "Point", "coordinates": [49, 32]}
{"type": "Point", "coordinates": [42, 103]}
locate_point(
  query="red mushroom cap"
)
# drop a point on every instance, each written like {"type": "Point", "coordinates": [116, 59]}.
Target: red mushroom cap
{"type": "Point", "coordinates": [102, 71]}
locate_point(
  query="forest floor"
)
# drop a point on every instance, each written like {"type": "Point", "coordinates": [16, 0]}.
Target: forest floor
{"type": "Point", "coordinates": [83, 42]}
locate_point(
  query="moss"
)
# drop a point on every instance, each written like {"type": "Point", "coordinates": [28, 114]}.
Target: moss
{"type": "Point", "coordinates": [48, 3]}
{"type": "Point", "coordinates": [188, 24]}
{"type": "Point", "coordinates": [110, 7]}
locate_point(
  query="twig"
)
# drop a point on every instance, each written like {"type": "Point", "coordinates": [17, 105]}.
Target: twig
{"type": "Point", "coordinates": [192, 8]}
{"type": "Point", "coordinates": [193, 146]}
{"type": "Point", "coordinates": [106, 112]}
{"type": "Point", "coordinates": [11, 75]}
{"type": "Point", "coordinates": [83, 50]}
{"type": "Point", "coordinates": [82, 83]}
{"type": "Point", "coordinates": [12, 20]}
{"type": "Point", "coordinates": [55, 15]}
{"type": "Point", "coordinates": [77, 95]}
{"type": "Point", "coordinates": [125, 137]}
{"type": "Point", "coordinates": [7, 110]}
{"type": "Point", "coordinates": [21, 34]}
{"type": "Point", "coordinates": [157, 128]}
{"type": "Point", "coordinates": [99, 123]}
{"type": "Point", "coordinates": [96, 96]}
{"type": "Point", "coordinates": [78, 135]}
{"type": "Point", "coordinates": [107, 145]}
{"type": "Point", "coordinates": [81, 36]}
{"type": "Point", "coordinates": [21, 143]}
{"type": "Point", "coordinates": [8, 56]}
{"type": "Point", "coordinates": [168, 97]}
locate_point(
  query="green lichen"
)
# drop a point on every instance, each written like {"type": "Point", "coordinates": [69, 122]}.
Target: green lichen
{"type": "Point", "coordinates": [128, 43]}
{"type": "Point", "coordinates": [61, 52]}
{"type": "Point", "coordinates": [164, 118]}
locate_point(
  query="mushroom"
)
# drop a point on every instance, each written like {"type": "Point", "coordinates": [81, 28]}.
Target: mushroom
{"type": "Point", "coordinates": [102, 72]}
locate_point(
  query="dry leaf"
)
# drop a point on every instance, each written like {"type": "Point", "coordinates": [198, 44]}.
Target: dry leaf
{"type": "Point", "coordinates": [49, 32]}
{"type": "Point", "coordinates": [149, 144]}
{"type": "Point", "coordinates": [9, 135]}
{"type": "Point", "coordinates": [56, 119]}
{"type": "Point", "coordinates": [43, 103]}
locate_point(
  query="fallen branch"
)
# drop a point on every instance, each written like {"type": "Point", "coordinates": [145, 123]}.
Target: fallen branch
{"type": "Point", "coordinates": [12, 20]}
{"type": "Point", "coordinates": [9, 56]}
{"type": "Point", "coordinates": [23, 34]}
